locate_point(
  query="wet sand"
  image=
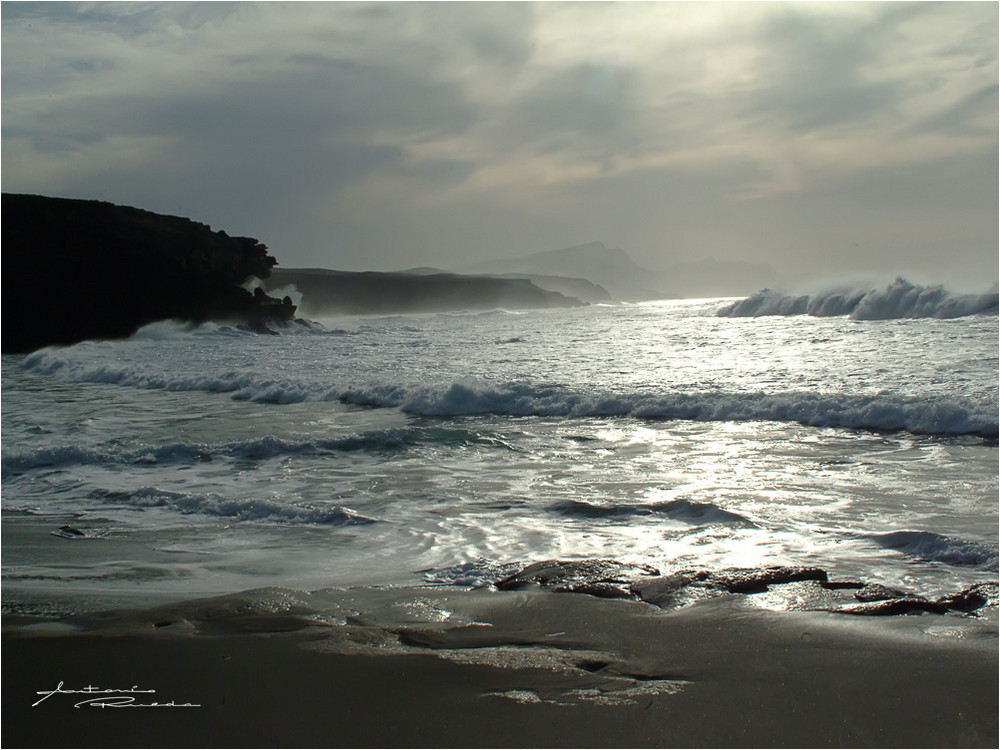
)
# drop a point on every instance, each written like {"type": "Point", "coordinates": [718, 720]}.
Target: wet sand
{"type": "Point", "coordinates": [504, 669]}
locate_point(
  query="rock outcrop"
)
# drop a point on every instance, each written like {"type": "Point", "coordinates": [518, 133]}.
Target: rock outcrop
{"type": "Point", "coordinates": [613, 579]}
{"type": "Point", "coordinates": [78, 269]}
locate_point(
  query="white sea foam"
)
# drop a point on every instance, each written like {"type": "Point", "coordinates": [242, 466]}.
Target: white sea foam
{"type": "Point", "coordinates": [899, 299]}
{"type": "Point", "coordinates": [478, 573]}
{"type": "Point", "coordinates": [472, 396]}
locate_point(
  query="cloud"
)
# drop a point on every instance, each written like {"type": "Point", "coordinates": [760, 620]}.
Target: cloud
{"type": "Point", "coordinates": [381, 134]}
{"type": "Point", "coordinates": [249, 135]}
{"type": "Point", "coordinates": [813, 71]}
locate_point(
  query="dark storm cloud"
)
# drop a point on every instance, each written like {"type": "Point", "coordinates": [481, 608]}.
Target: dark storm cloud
{"type": "Point", "coordinates": [388, 135]}
{"type": "Point", "coordinates": [259, 144]}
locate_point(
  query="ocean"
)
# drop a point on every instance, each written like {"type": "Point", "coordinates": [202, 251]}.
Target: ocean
{"type": "Point", "coordinates": [452, 450]}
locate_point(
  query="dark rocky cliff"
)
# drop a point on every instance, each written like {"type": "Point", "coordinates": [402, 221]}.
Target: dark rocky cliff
{"type": "Point", "coordinates": [76, 269]}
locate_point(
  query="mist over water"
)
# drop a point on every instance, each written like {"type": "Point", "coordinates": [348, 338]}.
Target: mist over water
{"type": "Point", "coordinates": [445, 449]}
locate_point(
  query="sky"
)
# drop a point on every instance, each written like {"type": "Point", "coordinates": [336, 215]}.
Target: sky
{"type": "Point", "coordinates": [822, 138]}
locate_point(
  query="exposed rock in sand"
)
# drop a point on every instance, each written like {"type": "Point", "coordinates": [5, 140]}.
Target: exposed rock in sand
{"type": "Point", "coordinates": [613, 579]}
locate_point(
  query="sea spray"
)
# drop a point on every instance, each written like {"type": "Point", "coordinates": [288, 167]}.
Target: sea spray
{"type": "Point", "coordinates": [899, 299]}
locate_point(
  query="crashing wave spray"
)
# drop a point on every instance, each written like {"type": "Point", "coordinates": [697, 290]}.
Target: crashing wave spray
{"type": "Point", "coordinates": [899, 299]}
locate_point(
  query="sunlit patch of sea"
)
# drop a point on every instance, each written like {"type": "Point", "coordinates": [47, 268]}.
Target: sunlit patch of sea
{"type": "Point", "coordinates": [447, 448]}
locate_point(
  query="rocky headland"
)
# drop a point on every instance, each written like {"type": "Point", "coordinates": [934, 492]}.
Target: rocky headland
{"type": "Point", "coordinates": [81, 269]}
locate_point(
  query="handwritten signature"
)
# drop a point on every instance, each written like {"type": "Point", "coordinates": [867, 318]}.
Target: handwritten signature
{"type": "Point", "coordinates": [108, 698]}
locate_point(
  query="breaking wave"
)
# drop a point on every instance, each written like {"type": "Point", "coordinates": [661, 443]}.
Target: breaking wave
{"type": "Point", "coordinates": [931, 547]}
{"type": "Point", "coordinates": [237, 510]}
{"type": "Point", "coordinates": [879, 411]}
{"type": "Point", "coordinates": [899, 299]}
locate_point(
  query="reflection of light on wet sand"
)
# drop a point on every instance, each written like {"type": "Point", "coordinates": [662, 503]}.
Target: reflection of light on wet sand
{"type": "Point", "coordinates": [797, 595]}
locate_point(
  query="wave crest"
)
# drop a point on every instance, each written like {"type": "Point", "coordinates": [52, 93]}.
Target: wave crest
{"type": "Point", "coordinates": [881, 411]}
{"type": "Point", "coordinates": [899, 299]}
{"type": "Point", "coordinates": [931, 547]}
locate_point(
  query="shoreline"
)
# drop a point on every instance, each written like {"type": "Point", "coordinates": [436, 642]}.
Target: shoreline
{"type": "Point", "coordinates": [450, 668]}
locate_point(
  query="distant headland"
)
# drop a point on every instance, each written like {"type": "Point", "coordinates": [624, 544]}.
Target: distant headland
{"type": "Point", "coordinates": [326, 292]}
{"type": "Point", "coordinates": [83, 269]}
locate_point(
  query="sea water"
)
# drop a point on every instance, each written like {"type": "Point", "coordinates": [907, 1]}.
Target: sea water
{"type": "Point", "coordinates": [453, 449]}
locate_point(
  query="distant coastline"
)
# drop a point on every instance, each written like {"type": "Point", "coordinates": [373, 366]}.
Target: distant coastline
{"type": "Point", "coordinates": [82, 269]}
{"type": "Point", "coordinates": [325, 292]}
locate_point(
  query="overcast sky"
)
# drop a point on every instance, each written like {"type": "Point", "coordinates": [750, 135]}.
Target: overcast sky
{"type": "Point", "coordinates": [821, 138]}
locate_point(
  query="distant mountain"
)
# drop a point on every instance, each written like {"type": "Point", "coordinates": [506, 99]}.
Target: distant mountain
{"type": "Point", "coordinates": [627, 281]}
{"type": "Point", "coordinates": [611, 268]}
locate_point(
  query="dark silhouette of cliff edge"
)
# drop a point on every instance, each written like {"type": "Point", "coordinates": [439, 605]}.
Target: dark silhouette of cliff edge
{"type": "Point", "coordinates": [79, 269]}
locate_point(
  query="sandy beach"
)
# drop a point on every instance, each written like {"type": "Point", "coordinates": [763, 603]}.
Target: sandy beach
{"type": "Point", "coordinates": [499, 669]}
